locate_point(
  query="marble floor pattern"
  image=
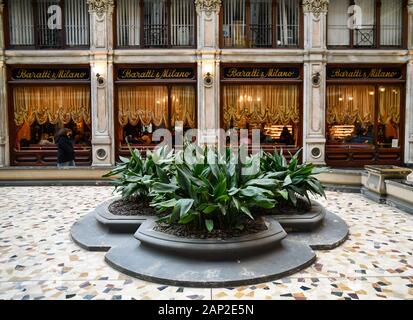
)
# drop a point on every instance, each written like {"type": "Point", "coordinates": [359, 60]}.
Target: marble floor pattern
{"type": "Point", "coordinates": [38, 260]}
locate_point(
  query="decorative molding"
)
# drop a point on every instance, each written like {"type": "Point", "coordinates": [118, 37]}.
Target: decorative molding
{"type": "Point", "coordinates": [316, 7]}
{"type": "Point", "coordinates": [101, 7]}
{"type": "Point", "coordinates": [410, 6]}
{"type": "Point", "coordinates": [209, 6]}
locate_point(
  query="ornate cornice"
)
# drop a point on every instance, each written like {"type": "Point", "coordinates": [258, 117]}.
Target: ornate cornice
{"type": "Point", "coordinates": [316, 7]}
{"type": "Point", "coordinates": [209, 6]}
{"type": "Point", "coordinates": [101, 7]}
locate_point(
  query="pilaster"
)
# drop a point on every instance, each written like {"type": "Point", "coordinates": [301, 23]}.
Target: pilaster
{"type": "Point", "coordinates": [103, 149]}
{"type": "Point", "coordinates": [4, 136]}
{"type": "Point", "coordinates": [408, 152]}
{"type": "Point", "coordinates": [208, 69]}
{"type": "Point", "coordinates": [315, 12]}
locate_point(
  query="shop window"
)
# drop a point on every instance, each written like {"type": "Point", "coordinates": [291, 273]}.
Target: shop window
{"type": "Point", "coordinates": [363, 125]}
{"type": "Point", "coordinates": [39, 112]}
{"type": "Point", "coordinates": [350, 114]}
{"type": "Point", "coordinates": [273, 109]}
{"type": "Point", "coordinates": [261, 23]}
{"type": "Point", "coordinates": [155, 23]}
{"type": "Point", "coordinates": [31, 23]}
{"type": "Point", "coordinates": [375, 23]}
{"type": "Point", "coordinates": [143, 109]}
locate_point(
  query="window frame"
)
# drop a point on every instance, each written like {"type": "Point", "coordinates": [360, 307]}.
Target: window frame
{"type": "Point", "coordinates": [11, 84]}
{"type": "Point", "coordinates": [274, 4]}
{"type": "Point", "coordinates": [299, 82]}
{"type": "Point", "coordinates": [142, 44]}
{"type": "Point", "coordinates": [168, 83]}
{"type": "Point", "coordinates": [36, 46]}
{"type": "Point", "coordinates": [377, 152]}
{"type": "Point", "coordinates": [377, 31]}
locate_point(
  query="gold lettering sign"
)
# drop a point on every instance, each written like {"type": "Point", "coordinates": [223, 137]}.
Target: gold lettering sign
{"type": "Point", "coordinates": [364, 73]}
{"type": "Point", "coordinates": [50, 74]}
{"type": "Point", "coordinates": [261, 73]}
{"type": "Point", "coordinates": [155, 73]}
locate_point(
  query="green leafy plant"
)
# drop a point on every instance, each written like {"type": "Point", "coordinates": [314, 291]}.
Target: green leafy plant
{"type": "Point", "coordinates": [295, 180]}
{"type": "Point", "coordinates": [205, 196]}
{"type": "Point", "coordinates": [135, 176]}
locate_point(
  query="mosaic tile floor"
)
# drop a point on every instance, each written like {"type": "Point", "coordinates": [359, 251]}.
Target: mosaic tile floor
{"type": "Point", "coordinates": [38, 260]}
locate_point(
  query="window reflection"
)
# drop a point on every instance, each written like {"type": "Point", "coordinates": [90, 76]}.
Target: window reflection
{"type": "Point", "coordinates": [39, 112]}
{"type": "Point", "coordinates": [273, 109]}
{"type": "Point", "coordinates": [143, 109]}
{"type": "Point", "coordinates": [354, 116]}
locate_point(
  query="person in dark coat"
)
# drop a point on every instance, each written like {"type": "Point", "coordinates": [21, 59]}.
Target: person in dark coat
{"type": "Point", "coordinates": [65, 150]}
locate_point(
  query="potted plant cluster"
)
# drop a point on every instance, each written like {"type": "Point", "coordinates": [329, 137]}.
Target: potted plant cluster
{"type": "Point", "coordinates": [206, 217]}
{"type": "Point", "coordinates": [201, 193]}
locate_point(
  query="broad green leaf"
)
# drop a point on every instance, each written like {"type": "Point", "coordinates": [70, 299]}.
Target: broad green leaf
{"type": "Point", "coordinates": [287, 181]}
{"type": "Point", "coordinates": [164, 188]}
{"type": "Point", "coordinates": [209, 224]}
{"type": "Point", "coordinates": [184, 206]}
{"type": "Point", "coordinates": [210, 208]}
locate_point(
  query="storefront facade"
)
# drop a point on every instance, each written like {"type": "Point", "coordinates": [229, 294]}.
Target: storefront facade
{"type": "Point", "coordinates": [290, 68]}
{"type": "Point", "coordinates": [365, 114]}
{"type": "Point", "coordinates": [148, 98]}
{"type": "Point", "coordinates": [41, 101]}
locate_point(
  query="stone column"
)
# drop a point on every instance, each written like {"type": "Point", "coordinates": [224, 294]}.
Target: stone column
{"type": "Point", "coordinates": [208, 69]}
{"type": "Point", "coordinates": [101, 39]}
{"type": "Point", "coordinates": [4, 136]}
{"type": "Point", "coordinates": [408, 150]}
{"type": "Point", "coordinates": [315, 12]}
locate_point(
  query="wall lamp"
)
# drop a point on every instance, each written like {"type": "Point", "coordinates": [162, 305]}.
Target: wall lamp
{"type": "Point", "coordinates": [208, 76]}
{"type": "Point", "coordinates": [100, 79]}
{"type": "Point", "coordinates": [208, 79]}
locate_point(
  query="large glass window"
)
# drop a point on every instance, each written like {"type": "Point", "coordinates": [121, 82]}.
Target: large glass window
{"type": "Point", "coordinates": [354, 116]}
{"type": "Point", "coordinates": [39, 112]}
{"type": "Point", "coordinates": [155, 23]}
{"type": "Point", "coordinates": [261, 23]}
{"type": "Point", "coordinates": [350, 114]}
{"type": "Point", "coordinates": [143, 109]}
{"type": "Point", "coordinates": [274, 109]}
{"type": "Point", "coordinates": [48, 24]}
{"type": "Point", "coordinates": [375, 23]}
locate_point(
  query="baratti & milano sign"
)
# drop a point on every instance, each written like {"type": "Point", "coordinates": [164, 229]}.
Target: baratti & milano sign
{"type": "Point", "coordinates": [261, 73]}
{"type": "Point", "coordinates": [50, 74]}
{"type": "Point", "coordinates": [141, 73]}
{"type": "Point", "coordinates": [364, 73]}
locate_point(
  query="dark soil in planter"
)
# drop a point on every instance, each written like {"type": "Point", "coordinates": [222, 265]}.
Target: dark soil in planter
{"type": "Point", "coordinates": [131, 207]}
{"type": "Point", "coordinates": [183, 231]}
{"type": "Point", "coordinates": [285, 208]}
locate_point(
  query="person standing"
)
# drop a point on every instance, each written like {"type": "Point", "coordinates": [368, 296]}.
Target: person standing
{"type": "Point", "coordinates": [65, 150]}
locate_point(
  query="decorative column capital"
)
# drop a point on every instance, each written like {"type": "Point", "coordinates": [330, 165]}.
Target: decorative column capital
{"type": "Point", "coordinates": [1, 6]}
{"type": "Point", "coordinates": [101, 7]}
{"type": "Point", "coordinates": [410, 6]}
{"type": "Point", "coordinates": [316, 7]}
{"type": "Point", "coordinates": [209, 6]}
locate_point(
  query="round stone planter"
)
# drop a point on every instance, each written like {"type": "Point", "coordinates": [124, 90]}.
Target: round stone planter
{"type": "Point", "coordinates": [127, 224]}
{"type": "Point", "coordinates": [302, 222]}
{"type": "Point", "coordinates": [164, 258]}
{"type": "Point", "coordinates": [135, 248]}
{"type": "Point", "coordinates": [211, 249]}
